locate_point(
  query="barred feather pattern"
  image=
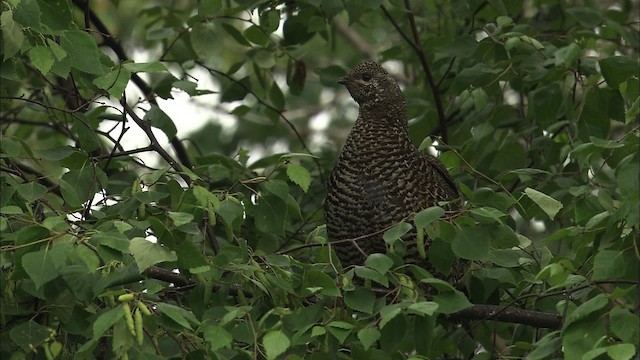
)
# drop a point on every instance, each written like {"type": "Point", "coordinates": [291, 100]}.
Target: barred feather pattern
{"type": "Point", "coordinates": [380, 177]}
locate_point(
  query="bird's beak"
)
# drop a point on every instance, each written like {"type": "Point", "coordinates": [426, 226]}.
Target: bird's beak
{"type": "Point", "coordinates": [343, 80]}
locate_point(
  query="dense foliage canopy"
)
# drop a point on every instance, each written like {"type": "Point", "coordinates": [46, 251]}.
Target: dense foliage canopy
{"type": "Point", "coordinates": [164, 165]}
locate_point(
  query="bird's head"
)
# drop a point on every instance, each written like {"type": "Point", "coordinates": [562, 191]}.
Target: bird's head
{"type": "Point", "coordinates": [371, 86]}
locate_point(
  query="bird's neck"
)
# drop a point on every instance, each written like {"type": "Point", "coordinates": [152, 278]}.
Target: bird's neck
{"type": "Point", "coordinates": [384, 117]}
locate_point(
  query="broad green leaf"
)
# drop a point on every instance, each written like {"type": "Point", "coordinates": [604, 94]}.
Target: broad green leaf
{"type": "Point", "coordinates": [264, 59]}
{"type": "Point", "coordinates": [177, 314]}
{"type": "Point", "coordinates": [396, 232]}
{"type": "Point", "coordinates": [609, 264]}
{"type": "Point", "coordinates": [209, 7]}
{"type": "Point", "coordinates": [425, 308]}
{"type": "Point", "coordinates": [427, 216]}
{"type": "Point", "coordinates": [154, 66]}
{"type": "Point", "coordinates": [40, 266]}
{"type": "Point", "coordinates": [379, 262]}
{"type": "Point", "coordinates": [257, 36]}
{"type": "Point", "coordinates": [180, 218]}
{"type": "Point", "coordinates": [103, 323]}
{"type": "Point", "coordinates": [587, 308]}
{"type": "Point", "coordinates": [471, 243]}
{"type": "Point", "coordinates": [12, 35]}
{"type": "Point", "coordinates": [621, 351]}
{"type": "Point", "coordinates": [368, 336]}
{"type": "Point", "coordinates": [160, 120]}
{"type": "Point", "coordinates": [80, 185]}
{"type": "Point", "coordinates": [83, 50]}
{"type": "Point", "coordinates": [204, 40]}
{"type": "Point", "coordinates": [29, 333]}
{"type": "Point", "coordinates": [548, 204]}
{"type": "Point", "coordinates": [451, 301]}
{"type": "Point", "coordinates": [547, 346]}
{"type": "Point", "coordinates": [31, 191]}
{"type": "Point", "coordinates": [299, 175]}
{"type": "Point", "coordinates": [624, 324]}
{"type": "Point", "coordinates": [389, 312]}
{"type": "Point", "coordinates": [340, 330]}
{"type": "Point", "coordinates": [617, 69]}
{"type": "Point", "coordinates": [278, 188]}
{"type": "Point", "coordinates": [317, 279]}
{"type": "Point", "coordinates": [114, 82]}
{"type": "Point", "coordinates": [360, 299]}
{"type": "Point", "coordinates": [275, 343]}
{"type": "Point", "coordinates": [189, 255]}
{"type": "Point", "coordinates": [217, 336]}
{"type": "Point", "coordinates": [147, 253]}
{"type": "Point", "coordinates": [41, 58]}
{"type": "Point", "coordinates": [147, 197]}
{"type": "Point", "coordinates": [112, 239]}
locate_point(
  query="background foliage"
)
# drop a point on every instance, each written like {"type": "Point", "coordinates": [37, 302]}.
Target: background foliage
{"type": "Point", "coordinates": [533, 106]}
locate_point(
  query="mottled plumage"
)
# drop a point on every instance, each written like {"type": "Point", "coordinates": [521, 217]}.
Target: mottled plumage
{"type": "Point", "coordinates": [380, 178]}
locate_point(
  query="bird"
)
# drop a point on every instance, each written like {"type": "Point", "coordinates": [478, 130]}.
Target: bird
{"type": "Point", "coordinates": [380, 177]}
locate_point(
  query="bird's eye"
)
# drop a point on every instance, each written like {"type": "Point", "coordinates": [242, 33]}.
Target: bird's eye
{"type": "Point", "coordinates": [366, 76]}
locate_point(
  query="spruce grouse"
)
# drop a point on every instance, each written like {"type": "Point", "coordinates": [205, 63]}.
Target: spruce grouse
{"type": "Point", "coordinates": [380, 178]}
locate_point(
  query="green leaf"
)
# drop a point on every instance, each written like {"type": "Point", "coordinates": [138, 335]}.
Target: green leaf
{"type": "Point", "coordinates": [275, 343]}
{"type": "Point", "coordinates": [316, 279]}
{"type": "Point", "coordinates": [547, 346]}
{"type": "Point", "coordinates": [587, 308]}
{"type": "Point", "coordinates": [160, 33]}
{"type": "Point", "coordinates": [80, 185]}
{"type": "Point", "coordinates": [147, 253]}
{"type": "Point", "coordinates": [40, 267]}
{"type": "Point", "coordinates": [427, 216]}
{"type": "Point", "coordinates": [83, 51]}
{"type": "Point", "coordinates": [31, 191]}
{"type": "Point", "coordinates": [30, 333]}
{"type": "Point", "coordinates": [389, 312]}
{"type": "Point", "coordinates": [609, 264]}
{"type": "Point", "coordinates": [181, 316]}
{"type": "Point", "coordinates": [114, 82]}
{"type": "Point", "coordinates": [160, 120]}
{"type": "Point", "coordinates": [217, 337]}
{"type": "Point", "coordinates": [204, 40]}
{"type": "Point", "coordinates": [396, 232]}
{"type": "Point", "coordinates": [299, 176]}
{"type": "Point", "coordinates": [425, 308]}
{"type": "Point", "coordinates": [621, 351]}
{"type": "Point", "coordinates": [451, 301]}
{"type": "Point", "coordinates": [180, 218]}
{"type": "Point", "coordinates": [360, 299]}
{"type": "Point", "coordinates": [112, 239]}
{"type": "Point", "coordinates": [235, 34]}
{"type": "Point", "coordinates": [12, 35]}
{"type": "Point", "coordinates": [147, 197]}
{"type": "Point", "coordinates": [41, 58]}
{"type": "Point", "coordinates": [379, 262]}
{"type": "Point", "coordinates": [236, 91]}
{"type": "Point", "coordinates": [257, 36]}
{"type": "Point", "coordinates": [471, 243]}
{"type": "Point", "coordinates": [624, 324]}
{"type": "Point", "coordinates": [548, 204]}
{"type": "Point", "coordinates": [340, 330]}
{"type": "Point", "coordinates": [266, 60]}
{"type": "Point", "coordinates": [209, 7]}
{"type": "Point", "coordinates": [278, 188]}
{"type": "Point", "coordinates": [368, 336]}
{"type": "Point", "coordinates": [154, 66]}
{"type": "Point", "coordinates": [617, 69]}
{"type": "Point", "coordinates": [106, 320]}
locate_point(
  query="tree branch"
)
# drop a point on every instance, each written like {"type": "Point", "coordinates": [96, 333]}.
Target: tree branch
{"type": "Point", "coordinates": [109, 41]}
{"type": "Point", "coordinates": [417, 47]}
{"type": "Point", "coordinates": [509, 314]}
